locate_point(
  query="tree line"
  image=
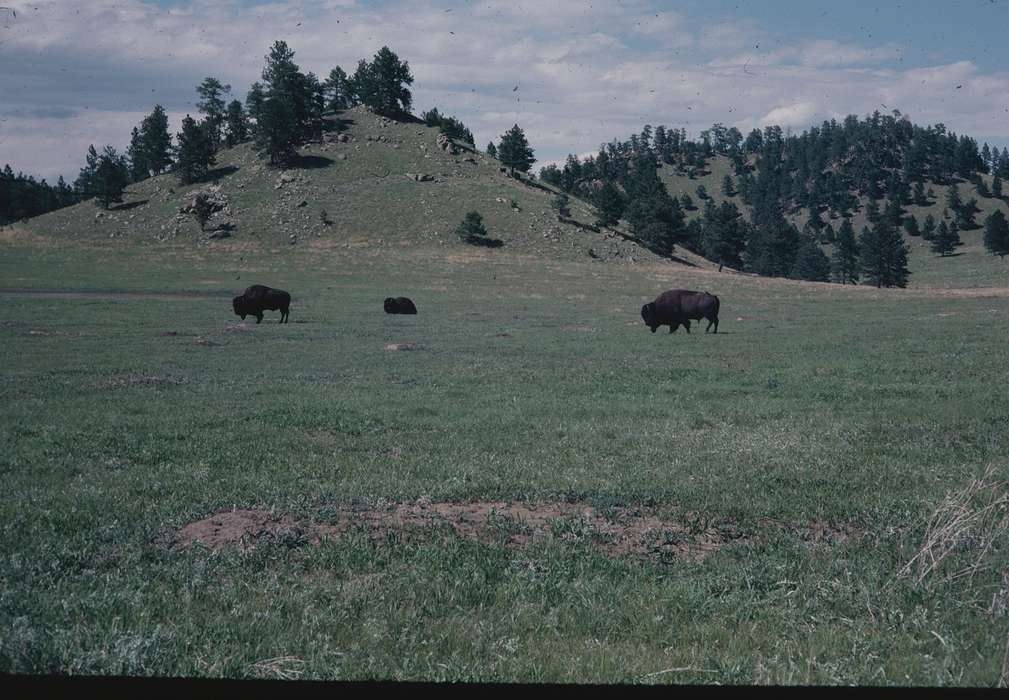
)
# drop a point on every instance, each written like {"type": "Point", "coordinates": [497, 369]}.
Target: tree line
{"type": "Point", "coordinates": [22, 196]}
{"type": "Point", "coordinates": [824, 170]}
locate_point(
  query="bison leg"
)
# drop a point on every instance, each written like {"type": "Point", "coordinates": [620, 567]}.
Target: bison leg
{"type": "Point", "coordinates": [259, 317]}
{"type": "Point", "coordinates": [653, 328]}
{"type": "Point", "coordinates": [673, 327]}
{"type": "Point", "coordinates": [715, 322]}
{"type": "Point", "coordinates": [686, 324]}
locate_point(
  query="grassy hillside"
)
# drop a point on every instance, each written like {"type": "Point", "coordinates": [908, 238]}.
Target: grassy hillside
{"type": "Point", "coordinates": [364, 176]}
{"type": "Point", "coordinates": [971, 266]}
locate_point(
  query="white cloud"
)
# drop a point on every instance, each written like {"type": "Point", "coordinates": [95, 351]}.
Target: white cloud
{"type": "Point", "coordinates": [585, 72]}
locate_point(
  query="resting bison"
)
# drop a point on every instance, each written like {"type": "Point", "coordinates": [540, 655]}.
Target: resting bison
{"type": "Point", "coordinates": [257, 298]}
{"type": "Point", "coordinates": [679, 306]}
{"type": "Point", "coordinates": [399, 305]}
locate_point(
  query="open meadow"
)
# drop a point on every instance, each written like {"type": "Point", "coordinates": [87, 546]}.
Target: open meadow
{"type": "Point", "coordinates": [520, 483]}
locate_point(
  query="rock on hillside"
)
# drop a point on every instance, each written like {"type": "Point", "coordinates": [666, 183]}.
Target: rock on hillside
{"type": "Point", "coordinates": [370, 181]}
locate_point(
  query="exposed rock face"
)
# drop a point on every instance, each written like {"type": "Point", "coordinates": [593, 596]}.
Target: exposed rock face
{"type": "Point", "coordinates": [212, 196]}
{"type": "Point", "coordinates": [445, 144]}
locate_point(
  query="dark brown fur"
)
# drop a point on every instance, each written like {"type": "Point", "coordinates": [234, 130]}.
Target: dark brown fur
{"type": "Point", "coordinates": [678, 307]}
{"type": "Point", "coordinates": [399, 305]}
{"type": "Point", "coordinates": [259, 298]}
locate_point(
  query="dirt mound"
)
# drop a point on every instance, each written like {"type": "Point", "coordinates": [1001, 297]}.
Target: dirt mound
{"type": "Point", "coordinates": [243, 528]}
{"type": "Point", "coordinates": [615, 531]}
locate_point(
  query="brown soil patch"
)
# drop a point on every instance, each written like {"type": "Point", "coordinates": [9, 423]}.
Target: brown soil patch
{"type": "Point", "coordinates": [616, 532]}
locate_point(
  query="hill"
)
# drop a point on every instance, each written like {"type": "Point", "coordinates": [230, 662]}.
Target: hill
{"type": "Point", "coordinates": [371, 181]}
{"type": "Point", "coordinates": [970, 266]}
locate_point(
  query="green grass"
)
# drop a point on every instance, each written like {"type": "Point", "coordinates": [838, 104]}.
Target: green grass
{"type": "Point", "coordinates": [533, 380]}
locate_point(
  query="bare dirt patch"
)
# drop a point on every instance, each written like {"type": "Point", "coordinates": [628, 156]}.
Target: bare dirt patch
{"type": "Point", "coordinates": [616, 532]}
{"type": "Point", "coordinates": [394, 347]}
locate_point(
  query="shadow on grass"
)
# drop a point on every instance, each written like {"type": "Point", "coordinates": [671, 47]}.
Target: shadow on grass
{"type": "Point", "coordinates": [217, 173]}
{"type": "Point", "coordinates": [311, 162]}
{"type": "Point", "coordinates": [129, 205]}
{"type": "Point", "coordinates": [484, 242]}
{"type": "Point", "coordinates": [578, 224]}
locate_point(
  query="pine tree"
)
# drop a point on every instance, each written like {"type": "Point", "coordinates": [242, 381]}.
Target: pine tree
{"type": "Point", "coordinates": [996, 186]}
{"type": "Point", "coordinates": [657, 220]}
{"type": "Point", "coordinates": [996, 234]}
{"type": "Point", "coordinates": [810, 263]}
{"type": "Point", "coordinates": [293, 100]}
{"type": "Point", "coordinates": [338, 90]}
{"type": "Point", "coordinates": [110, 178]}
{"type": "Point", "coordinates": [953, 202]}
{"type": "Point", "coordinates": [609, 204]}
{"type": "Point", "coordinates": [212, 105]}
{"type": "Point", "coordinates": [981, 186]}
{"type": "Point", "coordinates": [277, 130]}
{"type": "Point", "coordinates": [686, 202]}
{"type": "Point", "coordinates": [472, 231]}
{"type": "Point", "coordinates": [84, 184]}
{"type": "Point", "coordinates": [238, 124]}
{"type": "Point", "coordinates": [883, 255]}
{"type": "Point", "coordinates": [362, 84]}
{"type": "Point", "coordinates": [919, 194]}
{"type": "Point", "coordinates": [195, 152]}
{"type": "Point", "coordinates": [872, 212]}
{"type": "Point", "coordinates": [150, 147]}
{"type": "Point", "coordinates": [702, 193]}
{"type": "Point", "coordinates": [928, 228]}
{"type": "Point", "coordinates": [492, 150]}
{"type": "Point", "coordinates": [139, 167]}
{"type": "Point", "coordinates": [728, 188]}
{"type": "Point", "coordinates": [965, 215]}
{"type": "Point", "coordinates": [946, 239]}
{"type": "Point", "coordinates": [387, 78]}
{"type": "Point", "coordinates": [845, 264]}
{"type": "Point", "coordinates": [254, 101]}
{"type": "Point", "coordinates": [514, 151]}
{"type": "Point", "coordinates": [724, 236]}
{"type": "Point", "coordinates": [911, 226]}
{"type": "Point", "coordinates": [772, 246]}
{"type": "Point", "coordinates": [893, 212]}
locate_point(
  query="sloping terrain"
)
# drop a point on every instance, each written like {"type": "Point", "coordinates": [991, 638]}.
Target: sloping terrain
{"type": "Point", "coordinates": [370, 182]}
{"type": "Point", "coordinates": [970, 266]}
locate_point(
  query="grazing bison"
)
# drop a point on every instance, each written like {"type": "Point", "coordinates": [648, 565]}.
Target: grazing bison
{"type": "Point", "coordinates": [258, 298]}
{"type": "Point", "coordinates": [679, 306]}
{"type": "Point", "coordinates": [399, 305]}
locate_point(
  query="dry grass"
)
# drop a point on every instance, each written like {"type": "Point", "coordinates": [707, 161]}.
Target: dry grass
{"type": "Point", "coordinates": [963, 531]}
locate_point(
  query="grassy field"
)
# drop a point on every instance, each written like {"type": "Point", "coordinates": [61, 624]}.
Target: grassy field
{"type": "Point", "coordinates": [789, 465]}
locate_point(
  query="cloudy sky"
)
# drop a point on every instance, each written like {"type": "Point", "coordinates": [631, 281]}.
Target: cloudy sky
{"type": "Point", "coordinates": [571, 73]}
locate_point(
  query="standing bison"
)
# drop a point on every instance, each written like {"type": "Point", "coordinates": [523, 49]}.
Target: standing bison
{"type": "Point", "coordinates": [679, 306]}
{"type": "Point", "coordinates": [399, 305]}
{"type": "Point", "coordinates": [258, 298]}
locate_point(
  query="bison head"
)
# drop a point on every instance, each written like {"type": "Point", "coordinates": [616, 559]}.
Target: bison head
{"type": "Point", "coordinates": [648, 315]}
{"type": "Point", "coordinates": [238, 304]}
{"type": "Point", "coordinates": [390, 305]}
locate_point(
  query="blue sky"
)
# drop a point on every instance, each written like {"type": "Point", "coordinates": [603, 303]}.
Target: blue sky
{"type": "Point", "coordinates": [573, 74]}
